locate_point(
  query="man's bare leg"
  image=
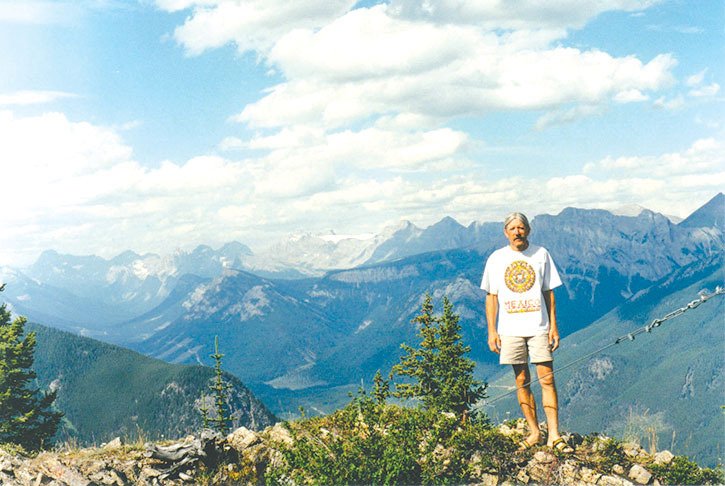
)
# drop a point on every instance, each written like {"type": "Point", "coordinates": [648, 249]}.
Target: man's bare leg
{"type": "Point", "coordinates": [549, 398]}
{"type": "Point", "coordinates": [527, 402]}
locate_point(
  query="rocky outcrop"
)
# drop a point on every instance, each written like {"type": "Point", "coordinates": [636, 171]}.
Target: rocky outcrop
{"type": "Point", "coordinates": [245, 457]}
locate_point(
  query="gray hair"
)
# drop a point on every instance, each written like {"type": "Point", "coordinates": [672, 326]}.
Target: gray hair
{"type": "Point", "coordinates": [520, 216]}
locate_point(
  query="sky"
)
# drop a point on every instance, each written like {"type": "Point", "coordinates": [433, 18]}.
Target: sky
{"type": "Point", "coordinates": [156, 125]}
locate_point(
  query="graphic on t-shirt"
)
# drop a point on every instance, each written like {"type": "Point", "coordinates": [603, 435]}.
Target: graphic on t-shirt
{"type": "Point", "coordinates": [519, 276]}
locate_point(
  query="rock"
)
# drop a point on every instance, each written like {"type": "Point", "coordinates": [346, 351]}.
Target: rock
{"type": "Point", "coordinates": [540, 473]}
{"type": "Point", "coordinates": [279, 433]}
{"type": "Point", "coordinates": [506, 430]}
{"type": "Point", "coordinates": [618, 469]}
{"type": "Point", "coordinates": [488, 480]}
{"type": "Point", "coordinates": [149, 472]}
{"type": "Point", "coordinates": [588, 475]}
{"type": "Point", "coordinates": [523, 477]}
{"type": "Point", "coordinates": [568, 474]}
{"type": "Point", "coordinates": [185, 477]}
{"type": "Point", "coordinates": [631, 449]}
{"type": "Point", "coordinates": [53, 468]}
{"type": "Point", "coordinates": [116, 443]}
{"type": "Point", "coordinates": [613, 481]}
{"type": "Point", "coordinates": [544, 457]}
{"type": "Point", "coordinates": [6, 464]}
{"type": "Point", "coordinates": [110, 477]}
{"type": "Point", "coordinates": [639, 474]}
{"type": "Point", "coordinates": [663, 457]}
{"type": "Point", "coordinates": [243, 438]}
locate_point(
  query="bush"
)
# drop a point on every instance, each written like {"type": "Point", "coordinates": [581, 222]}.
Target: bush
{"type": "Point", "coordinates": [683, 471]}
{"type": "Point", "coordinates": [371, 443]}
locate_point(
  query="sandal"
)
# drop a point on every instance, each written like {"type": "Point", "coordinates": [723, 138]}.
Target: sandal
{"type": "Point", "coordinates": [562, 447]}
{"type": "Point", "coordinates": [525, 445]}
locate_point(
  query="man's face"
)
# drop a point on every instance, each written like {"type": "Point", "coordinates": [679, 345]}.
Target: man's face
{"type": "Point", "coordinates": [517, 234]}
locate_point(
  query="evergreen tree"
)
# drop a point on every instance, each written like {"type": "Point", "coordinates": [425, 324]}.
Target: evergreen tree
{"type": "Point", "coordinates": [26, 415]}
{"type": "Point", "coordinates": [442, 376]}
{"type": "Point", "coordinates": [220, 421]}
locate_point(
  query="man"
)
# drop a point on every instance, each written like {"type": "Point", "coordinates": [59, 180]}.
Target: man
{"type": "Point", "coordinates": [519, 280]}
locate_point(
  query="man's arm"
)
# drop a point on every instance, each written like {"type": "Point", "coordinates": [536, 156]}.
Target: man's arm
{"type": "Point", "coordinates": [494, 341]}
{"type": "Point", "coordinates": [551, 310]}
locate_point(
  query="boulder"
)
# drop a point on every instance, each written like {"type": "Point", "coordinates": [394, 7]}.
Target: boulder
{"type": "Point", "coordinates": [639, 474]}
{"type": "Point", "coordinates": [116, 443]}
{"type": "Point", "coordinates": [663, 457]}
{"type": "Point", "coordinates": [243, 438]}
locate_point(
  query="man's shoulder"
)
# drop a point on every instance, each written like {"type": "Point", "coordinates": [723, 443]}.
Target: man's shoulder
{"type": "Point", "coordinates": [504, 250]}
{"type": "Point", "coordinates": [536, 250]}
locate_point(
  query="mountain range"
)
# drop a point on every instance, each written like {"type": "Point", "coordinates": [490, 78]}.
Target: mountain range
{"type": "Point", "coordinates": [311, 339]}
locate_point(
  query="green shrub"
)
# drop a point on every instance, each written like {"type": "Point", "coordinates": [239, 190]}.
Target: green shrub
{"type": "Point", "coordinates": [605, 453]}
{"type": "Point", "coordinates": [371, 443]}
{"type": "Point", "coordinates": [683, 471]}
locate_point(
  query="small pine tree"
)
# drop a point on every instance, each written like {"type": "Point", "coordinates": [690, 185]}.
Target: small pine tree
{"type": "Point", "coordinates": [381, 389]}
{"type": "Point", "coordinates": [204, 409]}
{"type": "Point", "coordinates": [26, 414]}
{"type": "Point", "coordinates": [442, 376]}
{"type": "Point", "coordinates": [220, 421]}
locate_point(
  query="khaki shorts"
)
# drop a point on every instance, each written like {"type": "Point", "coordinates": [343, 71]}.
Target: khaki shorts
{"type": "Point", "coordinates": [517, 350]}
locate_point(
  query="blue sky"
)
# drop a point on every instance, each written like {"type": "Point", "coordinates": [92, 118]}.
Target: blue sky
{"type": "Point", "coordinates": [155, 125]}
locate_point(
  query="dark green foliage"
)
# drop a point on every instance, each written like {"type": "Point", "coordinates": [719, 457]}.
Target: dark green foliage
{"type": "Point", "coordinates": [132, 394]}
{"type": "Point", "coordinates": [381, 388]}
{"type": "Point", "coordinates": [442, 375]}
{"type": "Point", "coordinates": [683, 471]}
{"type": "Point", "coordinates": [605, 454]}
{"type": "Point", "coordinates": [27, 417]}
{"type": "Point", "coordinates": [371, 443]}
{"type": "Point", "coordinates": [220, 389]}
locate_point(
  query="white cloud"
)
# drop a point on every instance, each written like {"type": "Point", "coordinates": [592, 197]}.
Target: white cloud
{"type": "Point", "coordinates": [437, 72]}
{"type": "Point", "coordinates": [705, 91]}
{"type": "Point", "coordinates": [520, 15]}
{"type": "Point", "coordinates": [74, 185]}
{"type": "Point", "coordinates": [38, 11]}
{"type": "Point", "coordinates": [253, 25]}
{"type": "Point", "coordinates": [630, 96]}
{"type": "Point", "coordinates": [559, 117]}
{"type": "Point", "coordinates": [673, 183]}
{"type": "Point", "coordinates": [696, 79]}
{"type": "Point", "coordinates": [698, 88]}
{"type": "Point", "coordinates": [704, 156]}
{"type": "Point", "coordinates": [23, 98]}
{"type": "Point", "coordinates": [669, 104]}
{"type": "Point", "coordinates": [433, 60]}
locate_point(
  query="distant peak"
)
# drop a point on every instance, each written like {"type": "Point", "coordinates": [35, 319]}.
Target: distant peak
{"type": "Point", "coordinates": [628, 210]}
{"type": "Point", "coordinates": [403, 226]}
{"type": "Point", "coordinates": [709, 215]}
{"type": "Point", "coordinates": [447, 222]}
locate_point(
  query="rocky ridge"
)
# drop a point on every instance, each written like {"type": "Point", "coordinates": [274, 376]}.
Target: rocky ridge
{"type": "Point", "coordinates": [246, 457]}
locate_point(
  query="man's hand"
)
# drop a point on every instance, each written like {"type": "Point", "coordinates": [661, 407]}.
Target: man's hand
{"type": "Point", "coordinates": [553, 339]}
{"type": "Point", "coordinates": [494, 342]}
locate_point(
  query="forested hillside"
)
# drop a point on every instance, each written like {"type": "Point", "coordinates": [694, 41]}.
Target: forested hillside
{"type": "Point", "coordinates": [107, 391]}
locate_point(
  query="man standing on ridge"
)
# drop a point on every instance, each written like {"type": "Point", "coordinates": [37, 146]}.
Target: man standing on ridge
{"type": "Point", "coordinates": [519, 280]}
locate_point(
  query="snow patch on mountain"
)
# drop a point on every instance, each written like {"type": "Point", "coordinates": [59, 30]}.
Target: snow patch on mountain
{"type": "Point", "coordinates": [365, 324]}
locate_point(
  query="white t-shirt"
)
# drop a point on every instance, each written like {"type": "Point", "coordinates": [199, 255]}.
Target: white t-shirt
{"type": "Point", "coordinates": [519, 278]}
